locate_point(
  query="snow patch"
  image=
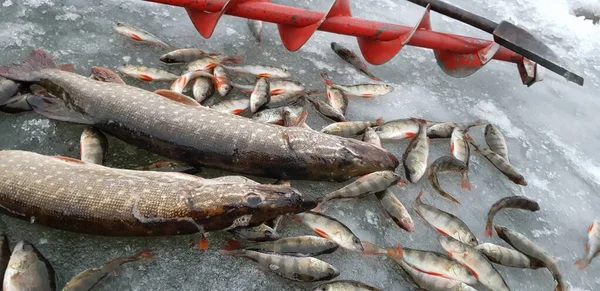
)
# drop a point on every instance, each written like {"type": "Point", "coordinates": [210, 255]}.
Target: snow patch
{"type": "Point", "coordinates": [488, 111]}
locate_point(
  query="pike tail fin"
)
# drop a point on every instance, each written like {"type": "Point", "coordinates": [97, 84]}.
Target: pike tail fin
{"type": "Point", "coordinates": [37, 60]}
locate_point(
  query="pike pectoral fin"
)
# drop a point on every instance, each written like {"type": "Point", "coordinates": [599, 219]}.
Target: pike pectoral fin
{"type": "Point", "coordinates": [55, 108]}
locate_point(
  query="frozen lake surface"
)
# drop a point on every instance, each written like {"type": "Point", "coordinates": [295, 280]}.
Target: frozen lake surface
{"type": "Point", "coordinates": [551, 130]}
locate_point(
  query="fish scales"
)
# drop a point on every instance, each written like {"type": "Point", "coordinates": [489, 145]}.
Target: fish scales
{"type": "Point", "coordinates": [89, 198]}
{"type": "Point", "coordinates": [201, 136]}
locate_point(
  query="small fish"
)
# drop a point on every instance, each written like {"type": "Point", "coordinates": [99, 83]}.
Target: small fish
{"type": "Point", "coordinates": [396, 210]}
{"type": "Point", "coordinates": [592, 246]}
{"type": "Point", "coordinates": [222, 82]}
{"type": "Point", "coordinates": [495, 140]}
{"type": "Point", "coordinates": [284, 99]}
{"type": "Point", "coordinates": [260, 96]}
{"type": "Point", "coordinates": [500, 163]}
{"type": "Point", "coordinates": [260, 71]}
{"type": "Point", "coordinates": [330, 228]}
{"type": "Point", "coordinates": [185, 55]}
{"type": "Point", "coordinates": [28, 270]}
{"type": "Point", "coordinates": [370, 136]}
{"type": "Point", "coordinates": [293, 118]}
{"type": "Point", "coordinates": [522, 244]}
{"type": "Point", "coordinates": [277, 87]}
{"type": "Point", "coordinates": [479, 265]}
{"type": "Point", "coordinates": [4, 254]}
{"type": "Point", "coordinates": [445, 164]}
{"type": "Point", "coordinates": [364, 186]}
{"type": "Point", "coordinates": [518, 202]}
{"type": "Point", "coordinates": [459, 147]}
{"type": "Point", "coordinates": [271, 115]}
{"type": "Point", "coordinates": [353, 59]}
{"type": "Point", "coordinates": [300, 246]}
{"type": "Point", "coordinates": [87, 279]}
{"type": "Point", "coordinates": [508, 257]}
{"type": "Point", "coordinates": [416, 155]}
{"type": "Point", "coordinates": [337, 99]}
{"type": "Point", "coordinates": [430, 282]}
{"type": "Point", "coordinates": [257, 233]}
{"type": "Point", "coordinates": [210, 62]}
{"type": "Point", "coordinates": [93, 146]}
{"type": "Point", "coordinates": [398, 129]}
{"type": "Point", "coordinates": [139, 35]}
{"type": "Point", "coordinates": [147, 74]}
{"type": "Point", "coordinates": [256, 27]}
{"type": "Point", "coordinates": [350, 128]}
{"type": "Point", "coordinates": [183, 80]}
{"type": "Point", "coordinates": [202, 89]}
{"type": "Point", "coordinates": [362, 90]}
{"type": "Point", "coordinates": [444, 129]}
{"type": "Point", "coordinates": [305, 269]}
{"type": "Point", "coordinates": [8, 89]}
{"type": "Point", "coordinates": [345, 285]}
{"type": "Point", "coordinates": [232, 106]}
{"type": "Point", "coordinates": [326, 110]}
{"type": "Point", "coordinates": [105, 75]}
{"type": "Point", "coordinates": [437, 264]}
{"type": "Point", "coordinates": [445, 223]}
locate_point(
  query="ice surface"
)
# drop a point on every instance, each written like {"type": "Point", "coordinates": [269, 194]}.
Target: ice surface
{"type": "Point", "coordinates": [551, 129]}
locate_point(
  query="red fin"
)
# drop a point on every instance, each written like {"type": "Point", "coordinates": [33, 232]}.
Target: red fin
{"type": "Point", "coordinates": [367, 95]}
{"type": "Point", "coordinates": [379, 121]}
{"type": "Point", "coordinates": [66, 67]}
{"type": "Point", "coordinates": [468, 137]}
{"type": "Point", "coordinates": [465, 183]}
{"type": "Point", "coordinates": [397, 251]}
{"type": "Point", "coordinates": [472, 271]}
{"type": "Point", "coordinates": [590, 228]}
{"type": "Point", "coordinates": [280, 122]}
{"type": "Point", "coordinates": [237, 111]}
{"type": "Point", "coordinates": [326, 79]}
{"type": "Point", "coordinates": [203, 243]}
{"type": "Point", "coordinates": [145, 255]}
{"type": "Point", "coordinates": [441, 232]}
{"type": "Point", "coordinates": [370, 249]}
{"type": "Point", "coordinates": [488, 231]}
{"type": "Point", "coordinates": [210, 66]}
{"type": "Point", "coordinates": [429, 273]}
{"type": "Point", "coordinates": [146, 78]}
{"type": "Point", "coordinates": [232, 245]}
{"type": "Point", "coordinates": [277, 91]}
{"type": "Point", "coordinates": [328, 96]}
{"type": "Point", "coordinates": [135, 37]}
{"type": "Point", "coordinates": [452, 147]}
{"type": "Point", "coordinates": [177, 97]}
{"type": "Point", "coordinates": [264, 75]}
{"type": "Point", "coordinates": [69, 160]}
{"type": "Point", "coordinates": [581, 264]}
{"type": "Point", "coordinates": [410, 134]}
{"type": "Point", "coordinates": [321, 233]}
{"type": "Point", "coordinates": [234, 60]}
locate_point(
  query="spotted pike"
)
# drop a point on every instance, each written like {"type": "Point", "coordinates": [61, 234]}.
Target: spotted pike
{"type": "Point", "coordinates": [105, 75]}
{"type": "Point", "coordinates": [93, 146]}
{"type": "Point", "coordinates": [256, 27]}
{"type": "Point", "coordinates": [479, 265]}
{"type": "Point", "coordinates": [232, 106]}
{"type": "Point", "coordinates": [221, 80]}
{"type": "Point", "coordinates": [522, 244]}
{"type": "Point", "coordinates": [353, 59]}
{"type": "Point", "coordinates": [260, 71]}
{"type": "Point", "coordinates": [508, 257]}
{"type": "Point", "coordinates": [147, 74]}
{"type": "Point", "coordinates": [350, 128]}
{"type": "Point", "coordinates": [185, 55]}
{"type": "Point", "coordinates": [326, 110]}
{"type": "Point", "coordinates": [139, 35]}
{"type": "Point", "coordinates": [445, 164]}
{"type": "Point", "coordinates": [445, 223]}
{"type": "Point", "coordinates": [4, 254]}
{"type": "Point", "coordinates": [416, 155]}
{"type": "Point", "coordinates": [331, 228]}
{"type": "Point", "coordinates": [396, 210]}
{"type": "Point", "coordinates": [500, 163]}
{"type": "Point", "coordinates": [202, 88]}
{"type": "Point", "coordinates": [398, 129]}
{"type": "Point", "coordinates": [437, 264]}
{"type": "Point", "coordinates": [592, 246]}
{"type": "Point", "coordinates": [495, 140]}
{"type": "Point", "coordinates": [362, 90]}
{"type": "Point", "coordinates": [257, 233]}
{"type": "Point", "coordinates": [299, 246]}
{"type": "Point", "coordinates": [260, 96]}
{"type": "Point", "coordinates": [28, 270]}
{"type": "Point", "coordinates": [71, 195]}
{"type": "Point", "coordinates": [193, 134]}
{"type": "Point", "coordinates": [88, 279]}
{"type": "Point", "coordinates": [431, 282]}
{"type": "Point", "coordinates": [370, 136]}
{"type": "Point", "coordinates": [459, 147]}
{"type": "Point", "coordinates": [305, 269]}
{"type": "Point", "coordinates": [364, 186]}
{"type": "Point", "coordinates": [345, 285]}
{"type": "Point", "coordinates": [519, 202]}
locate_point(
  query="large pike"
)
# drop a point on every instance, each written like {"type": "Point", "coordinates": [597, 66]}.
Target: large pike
{"type": "Point", "coordinates": [194, 134]}
{"type": "Point", "coordinates": [71, 195]}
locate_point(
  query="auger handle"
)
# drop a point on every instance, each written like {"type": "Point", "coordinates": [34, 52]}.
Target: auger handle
{"type": "Point", "coordinates": [459, 14]}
